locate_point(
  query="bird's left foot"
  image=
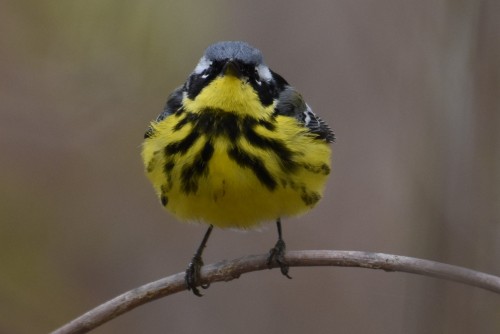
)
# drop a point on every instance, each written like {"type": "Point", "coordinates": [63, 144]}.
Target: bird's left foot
{"type": "Point", "coordinates": [277, 253]}
{"type": "Point", "coordinates": [193, 273]}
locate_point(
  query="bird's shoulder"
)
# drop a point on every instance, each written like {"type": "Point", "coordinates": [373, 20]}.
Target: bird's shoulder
{"type": "Point", "coordinates": [173, 104]}
{"type": "Point", "coordinates": [292, 104]}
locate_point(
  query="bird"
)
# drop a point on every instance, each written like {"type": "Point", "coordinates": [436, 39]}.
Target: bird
{"type": "Point", "coordinates": [236, 146]}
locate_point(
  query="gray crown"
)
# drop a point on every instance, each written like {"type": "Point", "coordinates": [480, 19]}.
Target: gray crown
{"type": "Point", "coordinates": [234, 50]}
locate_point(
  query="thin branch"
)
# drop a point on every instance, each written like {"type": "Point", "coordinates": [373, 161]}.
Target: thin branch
{"type": "Point", "coordinates": [229, 270]}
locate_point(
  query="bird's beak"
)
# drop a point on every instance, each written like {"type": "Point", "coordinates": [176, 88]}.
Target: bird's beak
{"type": "Point", "coordinates": [231, 68]}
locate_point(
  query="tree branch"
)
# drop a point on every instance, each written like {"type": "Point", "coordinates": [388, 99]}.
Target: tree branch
{"type": "Point", "coordinates": [229, 270]}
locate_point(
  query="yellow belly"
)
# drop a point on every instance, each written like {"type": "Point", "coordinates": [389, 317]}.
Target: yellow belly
{"type": "Point", "coordinates": [231, 195]}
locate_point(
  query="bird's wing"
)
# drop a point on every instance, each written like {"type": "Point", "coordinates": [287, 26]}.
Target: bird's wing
{"type": "Point", "coordinates": [174, 103]}
{"type": "Point", "coordinates": [291, 103]}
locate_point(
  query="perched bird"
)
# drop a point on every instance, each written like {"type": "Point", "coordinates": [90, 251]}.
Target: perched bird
{"type": "Point", "coordinates": [236, 146]}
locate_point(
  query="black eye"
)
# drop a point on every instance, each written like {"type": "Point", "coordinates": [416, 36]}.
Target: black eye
{"type": "Point", "coordinates": [196, 83]}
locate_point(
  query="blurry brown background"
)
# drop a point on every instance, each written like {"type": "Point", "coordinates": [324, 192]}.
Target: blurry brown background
{"type": "Point", "coordinates": [411, 88]}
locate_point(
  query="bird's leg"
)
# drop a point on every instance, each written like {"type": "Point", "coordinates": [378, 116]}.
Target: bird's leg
{"type": "Point", "coordinates": [277, 253]}
{"type": "Point", "coordinates": [193, 271]}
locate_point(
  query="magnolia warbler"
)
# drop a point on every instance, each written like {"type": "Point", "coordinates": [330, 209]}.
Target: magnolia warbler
{"type": "Point", "coordinates": [236, 146]}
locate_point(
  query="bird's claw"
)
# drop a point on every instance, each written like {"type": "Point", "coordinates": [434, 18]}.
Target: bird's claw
{"type": "Point", "coordinates": [277, 253]}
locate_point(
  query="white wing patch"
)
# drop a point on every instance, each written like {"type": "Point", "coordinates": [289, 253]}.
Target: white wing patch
{"type": "Point", "coordinates": [308, 115]}
{"type": "Point", "coordinates": [317, 125]}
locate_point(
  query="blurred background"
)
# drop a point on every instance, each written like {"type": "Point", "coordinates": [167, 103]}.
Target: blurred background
{"type": "Point", "coordinates": [411, 88]}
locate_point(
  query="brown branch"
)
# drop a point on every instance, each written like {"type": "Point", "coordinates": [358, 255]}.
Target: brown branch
{"type": "Point", "coordinates": [229, 270]}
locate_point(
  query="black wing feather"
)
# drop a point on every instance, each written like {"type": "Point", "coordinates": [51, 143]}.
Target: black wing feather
{"type": "Point", "coordinates": [291, 103]}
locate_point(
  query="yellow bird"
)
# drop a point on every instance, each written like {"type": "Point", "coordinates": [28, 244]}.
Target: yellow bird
{"type": "Point", "coordinates": [236, 146]}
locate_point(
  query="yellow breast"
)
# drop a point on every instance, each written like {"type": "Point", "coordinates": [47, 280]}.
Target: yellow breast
{"type": "Point", "coordinates": [229, 193]}
{"type": "Point", "coordinates": [233, 164]}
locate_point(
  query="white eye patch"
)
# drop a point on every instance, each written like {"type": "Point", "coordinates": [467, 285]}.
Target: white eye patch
{"type": "Point", "coordinates": [203, 64]}
{"type": "Point", "coordinates": [264, 72]}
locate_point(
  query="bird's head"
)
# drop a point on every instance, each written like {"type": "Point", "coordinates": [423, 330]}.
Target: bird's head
{"type": "Point", "coordinates": [232, 76]}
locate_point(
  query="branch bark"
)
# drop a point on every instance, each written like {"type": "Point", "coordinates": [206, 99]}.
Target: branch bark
{"type": "Point", "coordinates": [229, 270]}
